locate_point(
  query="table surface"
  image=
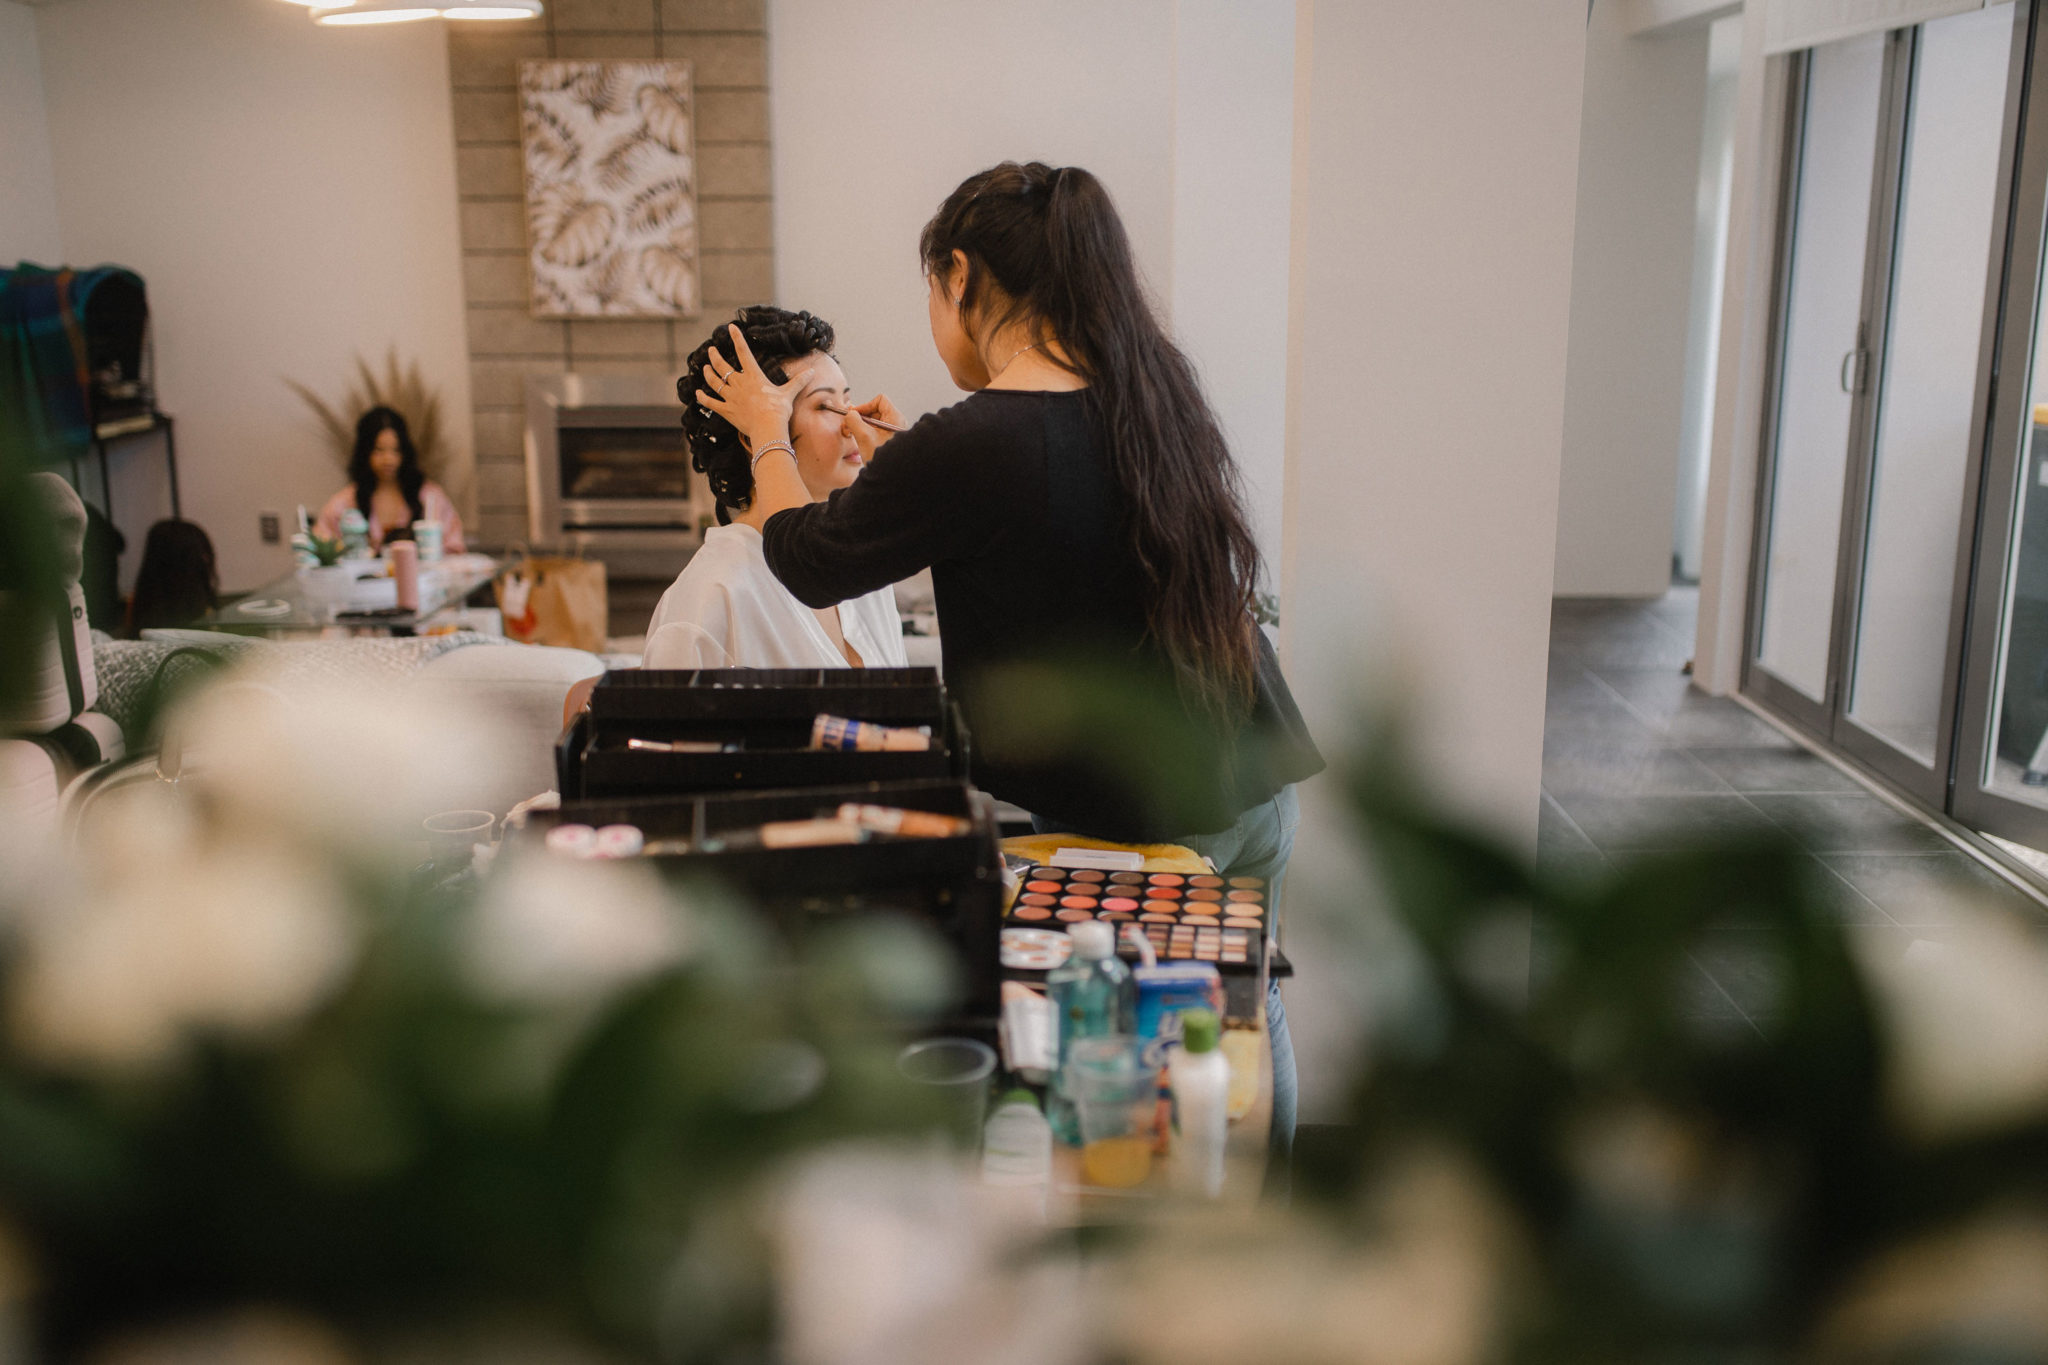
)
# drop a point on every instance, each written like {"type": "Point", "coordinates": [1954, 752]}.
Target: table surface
{"type": "Point", "coordinates": [284, 606]}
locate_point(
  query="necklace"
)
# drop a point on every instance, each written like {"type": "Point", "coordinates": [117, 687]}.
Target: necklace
{"type": "Point", "coordinates": [1013, 359]}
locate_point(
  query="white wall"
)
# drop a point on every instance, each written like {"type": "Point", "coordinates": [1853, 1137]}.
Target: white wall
{"type": "Point", "coordinates": [1645, 101]}
{"type": "Point", "coordinates": [1182, 107]}
{"type": "Point", "coordinates": [1232, 148]}
{"type": "Point", "coordinates": [876, 121]}
{"type": "Point", "coordinates": [288, 193]}
{"type": "Point", "coordinates": [1434, 196]}
{"type": "Point", "coordinates": [1435, 178]}
{"type": "Point", "coordinates": [28, 201]}
{"type": "Point", "coordinates": [1703, 313]}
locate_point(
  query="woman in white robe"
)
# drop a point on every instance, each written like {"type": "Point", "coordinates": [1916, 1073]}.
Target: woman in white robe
{"type": "Point", "coordinates": [726, 609]}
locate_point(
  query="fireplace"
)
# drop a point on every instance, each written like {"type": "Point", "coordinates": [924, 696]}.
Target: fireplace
{"type": "Point", "coordinates": [608, 475]}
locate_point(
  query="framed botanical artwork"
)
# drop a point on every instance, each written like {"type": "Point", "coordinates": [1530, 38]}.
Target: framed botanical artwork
{"type": "Point", "coordinates": [611, 188]}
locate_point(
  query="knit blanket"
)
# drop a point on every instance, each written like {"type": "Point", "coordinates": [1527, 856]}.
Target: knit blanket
{"type": "Point", "coordinates": [137, 677]}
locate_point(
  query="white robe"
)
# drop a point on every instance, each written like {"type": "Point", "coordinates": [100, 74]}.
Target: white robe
{"type": "Point", "coordinates": [727, 609]}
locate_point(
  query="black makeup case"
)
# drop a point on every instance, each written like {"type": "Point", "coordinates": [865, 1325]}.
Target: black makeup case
{"type": "Point", "coordinates": [767, 713]}
{"type": "Point", "coordinates": [954, 883]}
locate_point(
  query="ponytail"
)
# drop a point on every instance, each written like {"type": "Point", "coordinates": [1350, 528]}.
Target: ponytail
{"type": "Point", "coordinates": [1045, 247]}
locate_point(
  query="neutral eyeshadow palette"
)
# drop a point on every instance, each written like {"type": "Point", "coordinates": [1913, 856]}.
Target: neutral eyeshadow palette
{"type": "Point", "coordinates": [1191, 918]}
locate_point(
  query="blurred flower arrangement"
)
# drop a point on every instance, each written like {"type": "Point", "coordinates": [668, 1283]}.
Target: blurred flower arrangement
{"type": "Point", "coordinates": [273, 1087]}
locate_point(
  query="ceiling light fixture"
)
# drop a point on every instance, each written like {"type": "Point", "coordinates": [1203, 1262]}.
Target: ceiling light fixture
{"type": "Point", "coordinates": [492, 9]}
{"type": "Point", "coordinates": [340, 13]}
{"type": "Point", "coordinates": [372, 12]}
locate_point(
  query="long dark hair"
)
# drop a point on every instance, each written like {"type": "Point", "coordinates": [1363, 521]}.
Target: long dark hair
{"type": "Point", "coordinates": [176, 581]}
{"type": "Point", "coordinates": [775, 336]}
{"type": "Point", "coordinates": [369, 427]}
{"type": "Point", "coordinates": [1046, 248]}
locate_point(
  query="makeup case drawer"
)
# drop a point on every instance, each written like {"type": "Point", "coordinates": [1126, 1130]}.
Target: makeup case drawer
{"type": "Point", "coordinates": [953, 883]}
{"type": "Point", "coordinates": [751, 731]}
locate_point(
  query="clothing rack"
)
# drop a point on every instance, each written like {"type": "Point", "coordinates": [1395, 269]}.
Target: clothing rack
{"type": "Point", "coordinates": [111, 433]}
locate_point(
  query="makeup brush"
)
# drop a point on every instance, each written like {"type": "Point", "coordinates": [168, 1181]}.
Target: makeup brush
{"type": "Point", "coordinates": [871, 421]}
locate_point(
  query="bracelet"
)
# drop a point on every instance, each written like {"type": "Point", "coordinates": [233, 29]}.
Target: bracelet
{"type": "Point", "coordinates": [770, 449]}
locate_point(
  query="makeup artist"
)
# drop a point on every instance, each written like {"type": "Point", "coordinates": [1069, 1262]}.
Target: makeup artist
{"type": "Point", "coordinates": [1081, 517]}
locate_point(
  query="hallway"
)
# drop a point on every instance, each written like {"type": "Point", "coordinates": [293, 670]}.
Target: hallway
{"type": "Point", "coordinates": [1634, 760]}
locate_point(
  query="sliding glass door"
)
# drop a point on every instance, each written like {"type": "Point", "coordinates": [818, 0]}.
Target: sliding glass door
{"type": "Point", "coordinates": [1891, 260]}
{"type": "Point", "coordinates": [2002, 739]}
{"type": "Point", "coordinates": [1831, 156]}
{"type": "Point", "coordinates": [1929, 308]}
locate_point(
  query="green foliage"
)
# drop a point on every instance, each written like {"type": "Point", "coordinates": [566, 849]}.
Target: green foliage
{"type": "Point", "coordinates": [327, 550]}
{"type": "Point", "coordinates": [29, 585]}
{"type": "Point", "coordinates": [1777, 1171]}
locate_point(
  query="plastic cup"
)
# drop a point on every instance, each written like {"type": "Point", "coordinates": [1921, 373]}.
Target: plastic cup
{"type": "Point", "coordinates": [956, 1070]}
{"type": "Point", "coordinates": [1116, 1099]}
{"type": "Point", "coordinates": [452, 833]}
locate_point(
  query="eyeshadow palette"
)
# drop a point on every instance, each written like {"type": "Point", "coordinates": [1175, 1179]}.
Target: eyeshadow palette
{"type": "Point", "coordinates": [1187, 917]}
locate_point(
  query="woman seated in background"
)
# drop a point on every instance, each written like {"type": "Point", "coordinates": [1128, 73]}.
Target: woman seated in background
{"type": "Point", "coordinates": [387, 487]}
{"type": "Point", "coordinates": [726, 610]}
{"type": "Point", "coordinates": [176, 582]}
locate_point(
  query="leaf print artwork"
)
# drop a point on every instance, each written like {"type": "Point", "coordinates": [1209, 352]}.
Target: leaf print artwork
{"type": "Point", "coordinates": [611, 188]}
{"type": "Point", "coordinates": [671, 276]}
{"type": "Point", "coordinates": [665, 113]}
{"type": "Point", "coordinates": [550, 147]}
{"type": "Point", "coordinates": [619, 167]}
{"type": "Point", "coordinates": [660, 207]}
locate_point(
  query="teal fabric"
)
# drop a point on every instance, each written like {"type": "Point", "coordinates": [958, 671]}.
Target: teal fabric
{"type": "Point", "coordinates": [44, 416]}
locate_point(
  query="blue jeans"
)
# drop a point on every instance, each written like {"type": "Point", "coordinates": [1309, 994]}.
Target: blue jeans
{"type": "Point", "coordinates": [1258, 845]}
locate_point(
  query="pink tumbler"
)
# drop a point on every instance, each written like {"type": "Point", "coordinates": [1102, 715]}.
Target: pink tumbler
{"type": "Point", "coordinates": [405, 569]}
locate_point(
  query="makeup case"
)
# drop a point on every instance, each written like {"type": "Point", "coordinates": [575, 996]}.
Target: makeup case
{"type": "Point", "coordinates": [953, 883]}
{"type": "Point", "coordinates": [765, 715]}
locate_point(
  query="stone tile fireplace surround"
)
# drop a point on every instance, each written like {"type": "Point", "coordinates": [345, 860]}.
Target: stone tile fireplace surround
{"type": "Point", "coordinates": [727, 41]}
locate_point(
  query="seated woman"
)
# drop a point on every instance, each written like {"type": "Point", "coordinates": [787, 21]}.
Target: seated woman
{"type": "Point", "coordinates": [726, 610]}
{"type": "Point", "coordinates": [387, 487]}
{"type": "Point", "coordinates": [177, 581]}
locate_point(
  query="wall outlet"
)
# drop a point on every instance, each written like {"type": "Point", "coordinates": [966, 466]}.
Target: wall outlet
{"type": "Point", "coordinates": [267, 524]}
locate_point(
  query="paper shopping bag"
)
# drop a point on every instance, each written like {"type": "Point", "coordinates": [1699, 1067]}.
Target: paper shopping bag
{"type": "Point", "coordinates": [550, 600]}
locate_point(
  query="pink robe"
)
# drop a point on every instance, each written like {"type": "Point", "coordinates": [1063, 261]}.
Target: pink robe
{"type": "Point", "coordinates": [433, 500]}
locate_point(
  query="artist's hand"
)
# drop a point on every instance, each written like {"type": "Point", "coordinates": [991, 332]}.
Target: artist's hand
{"type": "Point", "coordinates": [865, 435]}
{"type": "Point", "coordinates": [861, 434]}
{"type": "Point", "coordinates": [745, 396]}
{"type": "Point", "coordinates": [882, 410]}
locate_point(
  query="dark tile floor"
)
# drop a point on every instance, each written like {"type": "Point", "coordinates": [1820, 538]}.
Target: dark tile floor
{"type": "Point", "coordinates": [1635, 758]}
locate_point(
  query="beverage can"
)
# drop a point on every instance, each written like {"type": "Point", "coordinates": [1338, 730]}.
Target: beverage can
{"type": "Point", "coordinates": [427, 535]}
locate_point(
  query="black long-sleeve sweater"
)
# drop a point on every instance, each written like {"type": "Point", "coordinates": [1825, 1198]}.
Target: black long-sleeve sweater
{"type": "Point", "coordinates": [1071, 704]}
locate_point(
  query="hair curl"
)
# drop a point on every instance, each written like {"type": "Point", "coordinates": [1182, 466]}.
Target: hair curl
{"type": "Point", "coordinates": [775, 336]}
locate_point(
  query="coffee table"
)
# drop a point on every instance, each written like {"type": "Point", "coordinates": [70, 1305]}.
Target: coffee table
{"type": "Point", "coordinates": [287, 607]}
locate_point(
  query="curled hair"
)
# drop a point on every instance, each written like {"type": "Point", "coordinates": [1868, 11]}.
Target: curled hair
{"type": "Point", "coordinates": [1046, 249]}
{"type": "Point", "coordinates": [776, 336]}
{"type": "Point", "coordinates": [411, 479]}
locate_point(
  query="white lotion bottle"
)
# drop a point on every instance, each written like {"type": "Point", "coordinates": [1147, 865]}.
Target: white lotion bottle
{"type": "Point", "coordinates": [1016, 1151]}
{"type": "Point", "coordinates": [1200, 1077]}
